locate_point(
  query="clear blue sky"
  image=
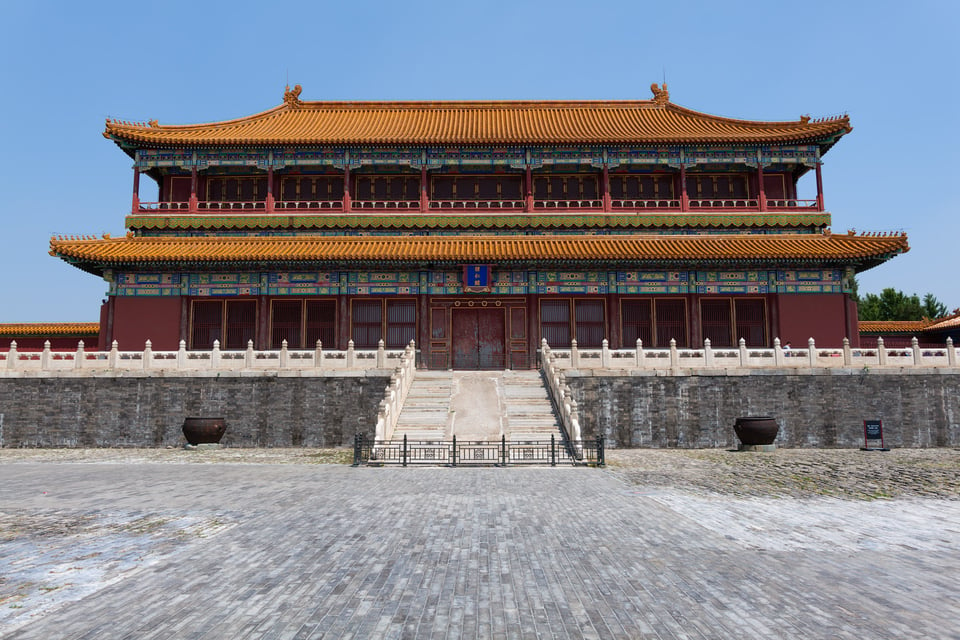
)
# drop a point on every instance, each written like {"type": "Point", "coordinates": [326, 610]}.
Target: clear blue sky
{"type": "Point", "coordinates": [893, 66]}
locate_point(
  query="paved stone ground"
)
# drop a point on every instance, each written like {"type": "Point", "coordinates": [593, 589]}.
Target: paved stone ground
{"type": "Point", "coordinates": [663, 544]}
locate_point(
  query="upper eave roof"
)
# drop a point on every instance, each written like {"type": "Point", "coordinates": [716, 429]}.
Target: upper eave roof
{"type": "Point", "coordinates": [95, 255]}
{"type": "Point", "coordinates": [478, 122]}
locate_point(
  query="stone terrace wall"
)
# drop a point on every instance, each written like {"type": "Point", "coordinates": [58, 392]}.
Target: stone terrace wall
{"type": "Point", "coordinates": [815, 409]}
{"type": "Point", "coordinates": [264, 411]}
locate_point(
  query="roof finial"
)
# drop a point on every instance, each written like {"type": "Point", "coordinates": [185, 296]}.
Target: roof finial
{"type": "Point", "coordinates": [660, 94]}
{"type": "Point", "coordinates": [292, 98]}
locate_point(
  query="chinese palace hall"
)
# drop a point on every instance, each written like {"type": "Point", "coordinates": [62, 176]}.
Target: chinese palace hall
{"type": "Point", "coordinates": [478, 229]}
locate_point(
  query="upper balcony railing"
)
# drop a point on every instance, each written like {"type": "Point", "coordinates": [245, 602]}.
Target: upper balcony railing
{"type": "Point", "coordinates": [620, 206]}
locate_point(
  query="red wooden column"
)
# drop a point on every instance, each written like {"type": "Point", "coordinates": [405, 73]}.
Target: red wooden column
{"type": "Point", "coordinates": [763, 193]}
{"type": "Point", "coordinates": [607, 202]}
{"type": "Point", "coordinates": [270, 201]}
{"type": "Point", "coordinates": [684, 196]}
{"type": "Point", "coordinates": [136, 190]}
{"type": "Point", "coordinates": [346, 188]}
{"type": "Point", "coordinates": [424, 199]}
{"type": "Point", "coordinates": [819, 189]}
{"type": "Point", "coordinates": [528, 190]}
{"type": "Point", "coordinates": [193, 190]}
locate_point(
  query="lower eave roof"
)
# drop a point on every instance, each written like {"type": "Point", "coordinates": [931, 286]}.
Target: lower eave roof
{"type": "Point", "coordinates": [96, 255]}
{"type": "Point", "coordinates": [49, 329]}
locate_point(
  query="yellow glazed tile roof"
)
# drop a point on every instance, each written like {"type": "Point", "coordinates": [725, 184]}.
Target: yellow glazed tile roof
{"type": "Point", "coordinates": [892, 326]}
{"type": "Point", "coordinates": [129, 250]}
{"type": "Point", "coordinates": [477, 122]}
{"type": "Point", "coordinates": [49, 328]}
{"type": "Point", "coordinates": [904, 326]}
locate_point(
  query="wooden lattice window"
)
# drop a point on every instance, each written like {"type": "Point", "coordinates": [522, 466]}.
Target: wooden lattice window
{"type": "Point", "coordinates": [555, 322]}
{"type": "Point", "coordinates": [636, 322]}
{"type": "Point", "coordinates": [286, 323]}
{"type": "Point", "coordinates": [374, 319]}
{"type": "Point", "coordinates": [213, 319]}
{"type": "Point", "coordinates": [670, 317]}
{"type": "Point", "coordinates": [320, 323]}
{"type": "Point", "coordinates": [589, 325]}
{"type": "Point", "coordinates": [751, 321]}
{"type": "Point", "coordinates": [715, 322]}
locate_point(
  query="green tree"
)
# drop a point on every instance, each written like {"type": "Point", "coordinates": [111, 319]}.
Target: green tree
{"type": "Point", "coordinates": [893, 304]}
{"type": "Point", "coordinates": [933, 308]}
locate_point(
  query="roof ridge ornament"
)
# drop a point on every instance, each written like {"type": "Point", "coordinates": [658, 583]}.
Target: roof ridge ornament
{"type": "Point", "coordinates": [660, 94]}
{"type": "Point", "coordinates": [292, 98]}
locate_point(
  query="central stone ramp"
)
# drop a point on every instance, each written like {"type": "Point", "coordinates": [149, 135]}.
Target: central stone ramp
{"type": "Point", "coordinates": [477, 406]}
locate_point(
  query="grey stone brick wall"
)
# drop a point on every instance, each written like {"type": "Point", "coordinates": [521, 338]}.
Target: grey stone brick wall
{"type": "Point", "coordinates": [261, 411]}
{"type": "Point", "coordinates": [819, 409]}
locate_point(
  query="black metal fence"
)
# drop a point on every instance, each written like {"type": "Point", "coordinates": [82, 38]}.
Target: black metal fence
{"type": "Point", "coordinates": [472, 453]}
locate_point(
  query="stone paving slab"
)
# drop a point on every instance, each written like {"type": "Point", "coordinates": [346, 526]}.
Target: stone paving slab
{"type": "Point", "coordinates": [161, 548]}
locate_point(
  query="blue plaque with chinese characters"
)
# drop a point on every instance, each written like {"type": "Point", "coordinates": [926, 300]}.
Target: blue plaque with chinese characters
{"type": "Point", "coordinates": [477, 277]}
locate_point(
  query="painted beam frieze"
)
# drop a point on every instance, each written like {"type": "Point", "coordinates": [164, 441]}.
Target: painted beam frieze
{"type": "Point", "coordinates": [450, 282]}
{"type": "Point", "coordinates": [437, 158]}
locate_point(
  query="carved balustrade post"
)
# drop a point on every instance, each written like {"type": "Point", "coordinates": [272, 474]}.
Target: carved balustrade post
{"type": "Point", "coordinates": [707, 353]}
{"type": "Point", "coordinates": [318, 355]}
{"type": "Point", "coordinates": [45, 356]}
{"type": "Point", "coordinates": [248, 359]}
{"type": "Point", "coordinates": [777, 353]}
{"type": "Point", "coordinates": [951, 353]}
{"type": "Point", "coordinates": [605, 354]}
{"type": "Point", "coordinates": [744, 356]}
{"type": "Point", "coordinates": [350, 354]}
{"type": "Point", "coordinates": [284, 355]}
{"type": "Point", "coordinates": [114, 358]}
{"type": "Point", "coordinates": [215, 355]}
{"type": "Point", "coordinates": [674, 354]}
{"type": "Point", "coordinates": [79, 357]}
{"type": "Point", "coordinates": [915, 348]}
{"type": "Point", "coordinates": [147, 354]}
{"type": "Point", "coordinates": [381, 355]}
{"type": "Point", "coordinates": [881, 352]}
{"type": "Point", "coordinates": [811, 353]}
{"type": "Point", "coordinates": [847, 353]}
{"type": "Point", "coordinates": [641, 356]}
{"type": "Point", "coordinates": [182, 355]}
{"type": "Point", "coordinates": [574, 355]}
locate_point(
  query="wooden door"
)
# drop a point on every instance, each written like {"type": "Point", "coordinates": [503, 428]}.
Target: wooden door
{"type": "Point", "coordinates": [479, 337]}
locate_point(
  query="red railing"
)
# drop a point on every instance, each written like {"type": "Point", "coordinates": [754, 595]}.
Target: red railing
{"type": "Point", "coordinates": [568, 204]}
{"type": "Point", "coordinates": [476, 204]}
{"type": "Point", "coordinates": [675, 205]}
{"type": "Point", "coordinates": [645, 204]}
{"type": "Point", "coordinates": [789, 204]}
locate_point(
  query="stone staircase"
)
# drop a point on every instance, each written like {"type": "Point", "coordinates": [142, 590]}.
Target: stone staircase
{"type": "Point", "coordinates": [528, 411]}
{"type": "Point", "coordinates": [477, 406]}
{"type": "Point", "coordinates": [426, 412]}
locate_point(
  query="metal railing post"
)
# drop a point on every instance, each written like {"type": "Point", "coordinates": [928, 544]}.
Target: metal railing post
{"type": "Point", "coordinates": [553, 450]}
{"type": "Point", "coordinates": [503, 450]}
{"type": "Point", "coordinates": [404, 455]}
{"type": "Point", "coordinates": [357, 448]}
{"type": "Point", "coordinates": [453, 452]}
{"type": "Point", "coordinates": [600, 453]}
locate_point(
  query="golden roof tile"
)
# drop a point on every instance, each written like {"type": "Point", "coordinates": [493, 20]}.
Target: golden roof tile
{"type": "Point", "coordinates": [49, 328]}
{"type": "Point", "coordinates": [132, 250]}
{"type": "Point", "coordinates": [478, 122]}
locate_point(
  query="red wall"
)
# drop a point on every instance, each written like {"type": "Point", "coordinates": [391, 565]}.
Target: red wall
{"type": "Point", "coordinates": [135, 320]}
{"type": "Point", "coordinates": [821, 316]}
